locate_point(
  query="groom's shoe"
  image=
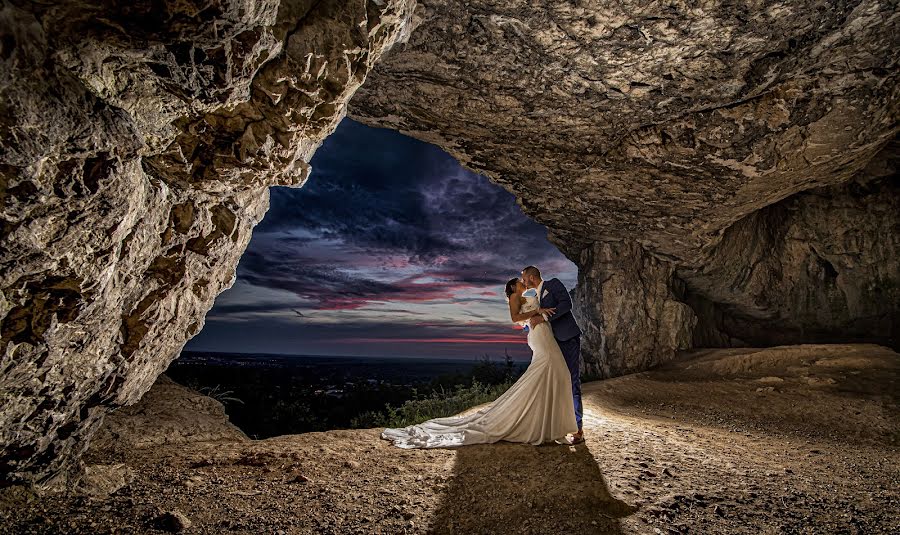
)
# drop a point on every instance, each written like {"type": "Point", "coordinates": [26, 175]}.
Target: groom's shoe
{"type": "Point", "coordinates": [577, 438]}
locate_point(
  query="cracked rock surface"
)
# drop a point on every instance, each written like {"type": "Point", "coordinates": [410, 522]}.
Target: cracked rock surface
{"type": "Point", "coordinates": [137, 143]}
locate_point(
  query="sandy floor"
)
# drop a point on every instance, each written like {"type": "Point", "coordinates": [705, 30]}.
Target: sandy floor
{"type": "Point", "coordinates": [800, 439]}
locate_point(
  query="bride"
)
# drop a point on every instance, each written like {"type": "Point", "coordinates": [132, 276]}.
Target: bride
{"type": "Point", "coordinates": [538, 408]}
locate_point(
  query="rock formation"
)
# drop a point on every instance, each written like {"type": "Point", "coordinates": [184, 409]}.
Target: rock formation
{"type": "Point", "coordinates": [168, 414]}
{"type": "Point", "coordinates": [138, 141]}
{"type": "Point", "coordinates": [721, 174]}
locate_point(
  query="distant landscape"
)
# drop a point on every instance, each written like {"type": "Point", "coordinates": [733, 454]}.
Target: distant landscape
{"type": "Point", "coordinates": [268, 395]}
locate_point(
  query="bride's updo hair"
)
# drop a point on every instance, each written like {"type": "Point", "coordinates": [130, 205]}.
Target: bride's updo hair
{"type": "Point", "coordinates": [511, 287]}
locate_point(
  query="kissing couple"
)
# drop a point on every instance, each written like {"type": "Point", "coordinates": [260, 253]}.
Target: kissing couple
{"type": "Point", "coordinates": [544, 404]}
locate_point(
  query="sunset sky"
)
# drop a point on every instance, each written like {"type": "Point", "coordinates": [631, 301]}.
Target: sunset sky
{"type": "Point", "coordinates": [390, 249]}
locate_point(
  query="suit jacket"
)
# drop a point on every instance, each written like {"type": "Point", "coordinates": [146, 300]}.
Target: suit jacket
{"type": "Point", "coordinates": [562, 321]}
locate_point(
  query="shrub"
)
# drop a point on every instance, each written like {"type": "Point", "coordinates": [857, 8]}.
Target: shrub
{"type": "Point", "coordinates": [487, 371]}
{"type": "Point", "coordinates": [219, 394]}
{"type": "Point", "coordinates": [438, 404]}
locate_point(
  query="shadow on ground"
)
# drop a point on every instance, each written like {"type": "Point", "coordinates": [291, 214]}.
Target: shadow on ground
{"type": "Point", "coordinates": [515, 488]}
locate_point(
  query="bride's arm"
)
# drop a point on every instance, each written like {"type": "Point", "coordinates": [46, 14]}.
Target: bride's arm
{"type": "Point", "coordinates": [514, 304]}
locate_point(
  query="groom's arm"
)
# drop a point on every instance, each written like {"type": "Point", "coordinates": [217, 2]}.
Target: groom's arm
{"type": "Point", "coordinates": [561, 296]}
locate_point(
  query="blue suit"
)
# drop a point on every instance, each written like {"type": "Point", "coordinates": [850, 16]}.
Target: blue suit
{"type": "Point", "coordinates": [567, 334]}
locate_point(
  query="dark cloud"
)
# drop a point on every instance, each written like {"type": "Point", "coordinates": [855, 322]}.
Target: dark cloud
{"type": "Point", "coordinates": [365, 190]}
{"type": "Point", "coordinates": [387, 219]}
{"type": "Point", "coordinates": [396, 201]}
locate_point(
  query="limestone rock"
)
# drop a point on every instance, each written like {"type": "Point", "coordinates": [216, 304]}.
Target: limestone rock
{"type": "Point", "coordinates": [138, 141]}
{"type": "Point", "coordinates": [167, 414]}
{"type": "Point", "coordinates": [101, 480]}
{"type": "Point", "coordinates": [627, 302]}
{"type": "Point", "coordinates": [822, 265]}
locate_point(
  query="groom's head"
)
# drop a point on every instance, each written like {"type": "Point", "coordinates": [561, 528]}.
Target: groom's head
{"type": "Point", "coordinates": [531, 276]}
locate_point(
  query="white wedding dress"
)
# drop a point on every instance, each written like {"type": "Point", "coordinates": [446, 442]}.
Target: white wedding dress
{"type": "Point", "coordinates": [538, 408]}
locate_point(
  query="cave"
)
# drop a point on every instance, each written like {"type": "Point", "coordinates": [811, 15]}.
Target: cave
{"type": "Point", "coordinates": [723, 177]}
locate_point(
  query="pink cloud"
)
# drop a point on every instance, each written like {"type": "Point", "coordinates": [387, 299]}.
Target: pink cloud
{"type": "Point", "coordinates": [406, 290]}
{"type": "Point", "coordinates": [467, 339]}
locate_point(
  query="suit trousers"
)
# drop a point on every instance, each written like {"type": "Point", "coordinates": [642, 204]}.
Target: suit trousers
{"type": "Point", "coordinates": [571, 350]}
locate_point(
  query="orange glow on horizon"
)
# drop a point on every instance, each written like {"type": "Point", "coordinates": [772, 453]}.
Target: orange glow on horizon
{"type": "Point", "coordinates": [486, 339]}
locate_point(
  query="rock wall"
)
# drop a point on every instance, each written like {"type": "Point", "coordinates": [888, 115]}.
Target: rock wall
{"type": "Point", "coordinates": [821, 265]}
{"type": "Point", "coordinates": [648, 136]}
{"type": "Point", "coordinates": [630, 309]}
{"type": "Point", "coordinates": [138, 141]}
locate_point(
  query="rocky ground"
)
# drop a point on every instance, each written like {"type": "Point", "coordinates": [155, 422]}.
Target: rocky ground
{"type": "Point", "coordinates": [794, 439]}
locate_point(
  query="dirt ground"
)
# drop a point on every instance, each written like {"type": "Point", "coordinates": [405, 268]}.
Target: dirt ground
{"type": "Point", "coordinates": [795, 439]}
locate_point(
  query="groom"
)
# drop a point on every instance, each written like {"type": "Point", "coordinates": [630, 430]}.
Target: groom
{"type": "Point", "coordinates": [553, 294]}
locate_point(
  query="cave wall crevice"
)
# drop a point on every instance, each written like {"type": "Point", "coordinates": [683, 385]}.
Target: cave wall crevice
{"type": "Point", "coordinates": [820, 266]}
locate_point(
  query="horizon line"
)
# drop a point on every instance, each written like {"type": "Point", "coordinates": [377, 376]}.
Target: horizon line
{"type": "Point", "coordinates": [490, 356]}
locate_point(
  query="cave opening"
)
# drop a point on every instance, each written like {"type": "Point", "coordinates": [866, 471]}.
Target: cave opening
{"type": "Point", "coordinates": [378, 281]}
{"type": "Point", "coordinates": [139, 159]}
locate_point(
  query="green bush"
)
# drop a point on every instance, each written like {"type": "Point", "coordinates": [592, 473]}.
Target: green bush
{"type": "Point", "coordinates": [438, 404]}
{"type": "Point", "coordinates": [487, 371]}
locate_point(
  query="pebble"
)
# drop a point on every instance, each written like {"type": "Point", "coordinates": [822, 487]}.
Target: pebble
{"type": "Point", "coordinates": [172, 521]}
{"type": "Point", "coordinates": [299, 478]}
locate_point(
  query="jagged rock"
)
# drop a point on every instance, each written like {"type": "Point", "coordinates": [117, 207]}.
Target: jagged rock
{"type": "Point", "coordinates": [138, 141]}
{"type": "Point", "coordinates": [101, 480]}
{"type": "Point", "coordinates": [821, 265]}
{"type": "Point", "coordinates": [706, 136]}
